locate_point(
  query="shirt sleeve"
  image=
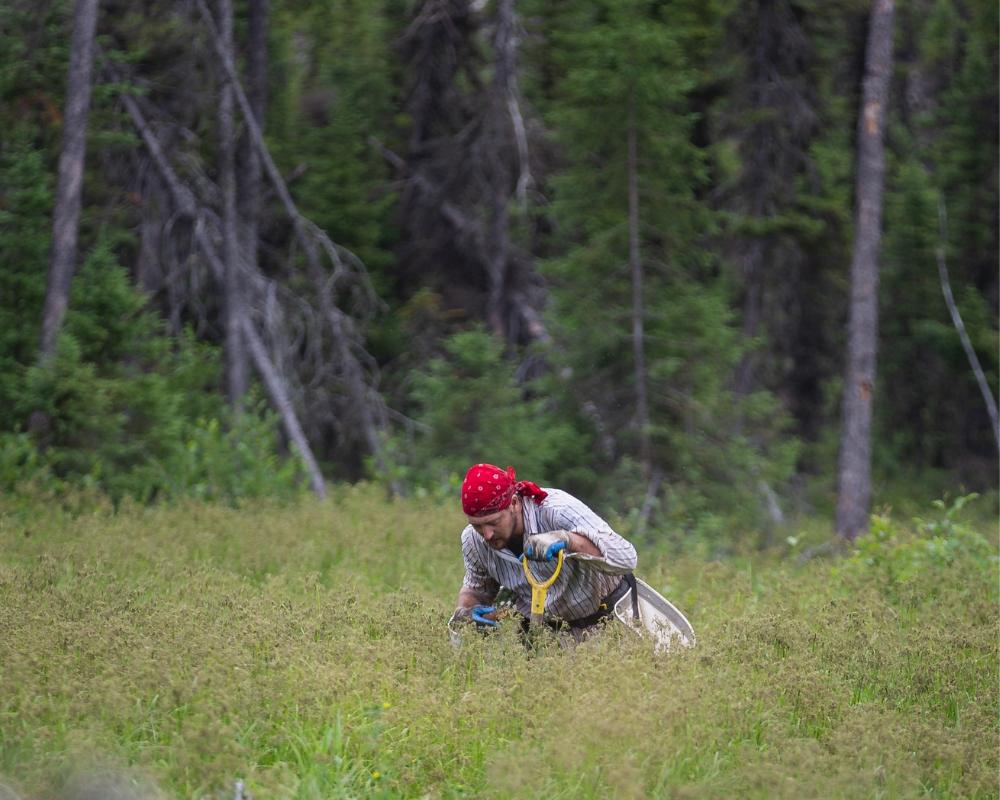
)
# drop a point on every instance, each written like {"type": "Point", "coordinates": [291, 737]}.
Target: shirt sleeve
{"type": "Point", "coordinates": [618, 555]}
{"type": "Point", "coordinates": [476, 576]}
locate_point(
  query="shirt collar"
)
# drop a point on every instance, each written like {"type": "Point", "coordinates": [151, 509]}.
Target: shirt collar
{"type": "Point", "coordinates": [531, 525]}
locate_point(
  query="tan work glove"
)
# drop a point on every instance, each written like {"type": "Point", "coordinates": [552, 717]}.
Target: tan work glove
{"type": "Point", "coordinates": [544, 546]}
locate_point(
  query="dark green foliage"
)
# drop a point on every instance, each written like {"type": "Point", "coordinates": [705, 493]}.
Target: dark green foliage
{"type": "Point", "coordinates": [745, 118]}
{"type": "Point", "coordinates": [25, 231]}
{"type": "Point", "coordinates": [613, 59]}
{"type": "Point", "coordinates": [334, 95]}
{"type": "Point", "coordinates": [469, 408]}
{"type": "Point", "coordinates": [926, 377]}
{"type": "Point", "coordinates": [947, 152]}
{"type": "Point", "coordinates": [126, 409]}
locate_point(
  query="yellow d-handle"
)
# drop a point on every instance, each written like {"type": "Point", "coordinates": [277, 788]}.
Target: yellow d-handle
{"type": "Point", "coordinates": [538, 589]}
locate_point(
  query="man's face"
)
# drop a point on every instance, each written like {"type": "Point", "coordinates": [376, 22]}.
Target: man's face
{"type": "Point", "coordinates": [499, 528]}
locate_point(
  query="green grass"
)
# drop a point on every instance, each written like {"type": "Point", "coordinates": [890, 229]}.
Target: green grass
{"type": "Point", "coordinates": [302, 648]}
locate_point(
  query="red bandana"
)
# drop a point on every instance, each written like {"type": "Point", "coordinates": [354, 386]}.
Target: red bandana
{"type": "Point", "coordinates": [488, 489]}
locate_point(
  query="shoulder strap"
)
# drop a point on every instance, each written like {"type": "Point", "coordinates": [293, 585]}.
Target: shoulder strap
{"type": "Point", "coordinates": [634, 588]}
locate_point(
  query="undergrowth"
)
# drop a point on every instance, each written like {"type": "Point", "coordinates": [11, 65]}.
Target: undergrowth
{"type": "Point", "coordinates": [301, 648]}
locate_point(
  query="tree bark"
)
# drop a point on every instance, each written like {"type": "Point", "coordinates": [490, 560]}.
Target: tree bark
{"type": "Point", "coordinates": [235, 302]}
{"type": "Point", "coordinates": [506, 79]}
{"type": "Point", "coordinates": [635, 265]}
{"type": "Point", "coordinates": [497, 254]}
{"type": "Point", "coordinates": [279, 397]}
{"type": "Point", "coordinates": [250, 176]}
{"type": "Point", "coordinates": [854, 468]}
{"type": "Point", "coordinates": [66, 214]}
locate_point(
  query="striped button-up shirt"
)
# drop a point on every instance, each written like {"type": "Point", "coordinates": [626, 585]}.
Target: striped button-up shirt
{"type": "Point", "coordinates": [584, 579]}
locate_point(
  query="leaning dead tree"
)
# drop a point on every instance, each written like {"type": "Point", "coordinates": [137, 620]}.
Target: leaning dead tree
{"type": "Point", "coordinates": [366, 403]}
{"type": "Point", "coordinates": [66, 215]}
{"type": "Point", "coordinates": [186, 205]}
{"type": "Point", "coordinates": [304, 343]}
{"type": "Point", "coordinates": [956, 319]}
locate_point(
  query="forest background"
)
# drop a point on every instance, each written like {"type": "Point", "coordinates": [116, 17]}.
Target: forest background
{"type": "Point", "coordinates": [606, 242]}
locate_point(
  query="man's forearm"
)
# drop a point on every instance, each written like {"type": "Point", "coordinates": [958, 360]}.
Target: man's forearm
{"type": "Point", "coordinates": [467, 598]}
{"type": "Point", "coordinates": [581, 544]}
{"type": "Point", "coordinates": [618, 562]}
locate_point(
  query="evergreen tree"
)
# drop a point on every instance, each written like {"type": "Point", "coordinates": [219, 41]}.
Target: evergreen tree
{"type": "Point", "coordinates": [944, 144]}
{"type": "Point", "coordinates": [628, 71]}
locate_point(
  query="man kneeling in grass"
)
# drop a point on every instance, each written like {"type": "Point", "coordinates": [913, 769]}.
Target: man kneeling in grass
{"type": "Point", "coordinates": [508, 519]}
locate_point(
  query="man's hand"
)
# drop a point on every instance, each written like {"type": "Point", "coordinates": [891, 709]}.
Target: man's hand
{"type": "Point", "coordinates": [477, 614]}
{"type": "Point", "coordinates": [544, 546]}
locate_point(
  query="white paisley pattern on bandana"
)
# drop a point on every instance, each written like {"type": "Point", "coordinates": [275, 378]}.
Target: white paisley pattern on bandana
{"type": "Point", "coordinates": [582, 583]}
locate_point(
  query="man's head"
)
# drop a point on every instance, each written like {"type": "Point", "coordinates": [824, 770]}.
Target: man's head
{"type": "Point", "coordinates": [499, 528]}
{"type": "Point", "coordinates": [492, 500]}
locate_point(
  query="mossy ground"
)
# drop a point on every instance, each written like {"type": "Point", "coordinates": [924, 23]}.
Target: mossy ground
{"type": "Point", "coordinates": [302, 649]}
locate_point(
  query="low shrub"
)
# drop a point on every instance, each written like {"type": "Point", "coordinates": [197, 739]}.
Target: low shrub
{"type": "Point", "coordinates": [302, 649]}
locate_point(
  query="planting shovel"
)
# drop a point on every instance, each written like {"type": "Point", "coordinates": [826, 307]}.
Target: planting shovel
{"type": "Point", "coordinates": [539, 589]}
{"type": "Point", "coordinates": [647, 613]}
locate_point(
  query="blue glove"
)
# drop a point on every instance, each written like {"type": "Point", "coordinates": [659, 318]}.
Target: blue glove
{"type": "Point", "coordinates": [475, 614]}
{"type": "Point", "coordinates": [478, 615]}
{"type": "Point", "coordinates": [544, 546]}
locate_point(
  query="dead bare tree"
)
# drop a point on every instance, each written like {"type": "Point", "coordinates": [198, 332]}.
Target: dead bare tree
{"type": "Point", "coordinates": [187, 206]}
{"type": "Point", "coordinates": [233, 302]}
{"type": "Point", "coordinates": [66, 214]}
{"type": "Point", "coordinates": [249, 177]}
{"type": "Point", "coordinates": [306, 348]}
{"type": "Point", "coordinates": [366, 404]}
{"type": "Point", "coordinates": [511, 312]}
{"type": "Point", "coordinates": [854, 467]}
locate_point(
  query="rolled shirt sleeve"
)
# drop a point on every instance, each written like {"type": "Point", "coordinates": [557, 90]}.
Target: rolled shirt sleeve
{"type": "Point", "coordinates": [563, 511]}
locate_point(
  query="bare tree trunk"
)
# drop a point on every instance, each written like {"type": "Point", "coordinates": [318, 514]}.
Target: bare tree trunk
{"type": "Point", "coordinates": [250, 176]}
{"type": "Point", "coordinates": [510, 312]}
{"type": "Point", "coordinates": [150, 234]}
{"type": "Point", "coordinates": [497, 254]}
{"type": "Point", "coordinates": [635, 264]}
{"type": "Point", "coordinates": [854, 468]}
{"type": "Point", "coordinates": [279, 397]}
{"type": "Point", "coordinates": [506, 42]}
{"type": "Point", "coordinates": [66, 214]}
{"type": "Point", "coordinates": [235, 302]}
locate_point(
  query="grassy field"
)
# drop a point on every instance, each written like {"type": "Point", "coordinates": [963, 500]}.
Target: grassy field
{"type": "Point", "coordinates": [171, 651]}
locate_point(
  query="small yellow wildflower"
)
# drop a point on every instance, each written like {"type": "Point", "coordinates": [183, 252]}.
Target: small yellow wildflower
{"type": "Point", "coordinates": [386, 704]}
{"type": "Point", "coordinates": [376, 775]}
